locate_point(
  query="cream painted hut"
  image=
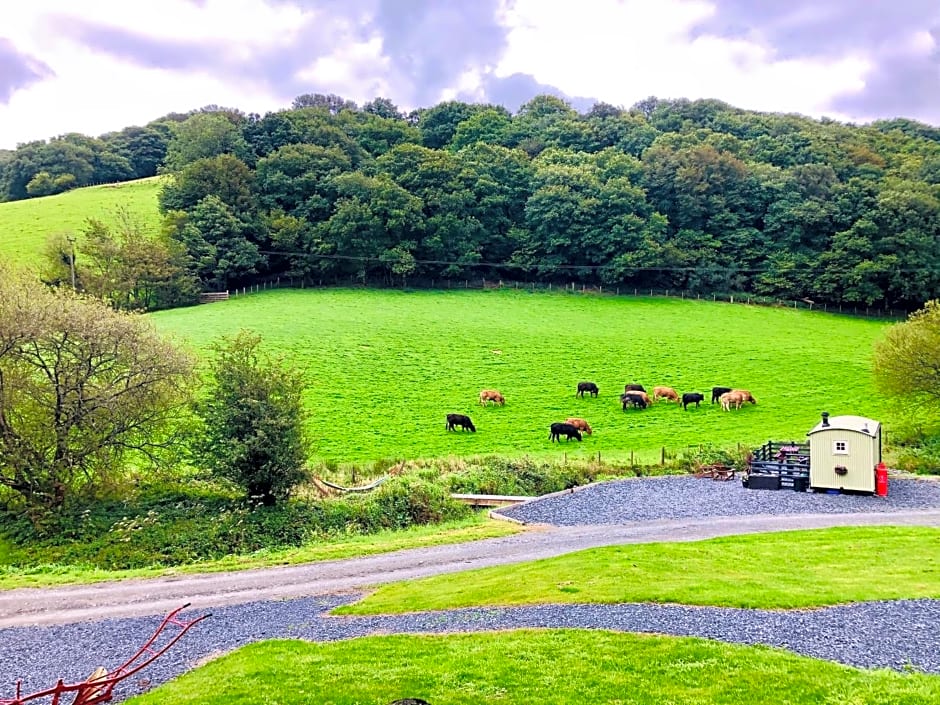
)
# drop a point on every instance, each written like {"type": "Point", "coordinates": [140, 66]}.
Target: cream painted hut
{"type": "Point", "coordinates": [843, 452]}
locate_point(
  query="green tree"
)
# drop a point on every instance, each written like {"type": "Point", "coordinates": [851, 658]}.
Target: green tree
{"type": "Point", "coordinates": [254, 420]}
{"type": "Point", "coordinates": [225, 176]}
{"type": "Point", "coordinates": [204, 135]}
{"type": "Point", "coordinates": [133, 269]}
{"type": "Point", "coordinates": [82, 387]}
{"type": "Point", "coordinates": [216, 239]}
{"type": "Point", "coordinates": [907, 359]}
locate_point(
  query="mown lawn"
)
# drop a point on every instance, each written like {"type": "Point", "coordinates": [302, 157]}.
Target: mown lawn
{"type": "Point", "coordinates": [385, 367]}
{"type": "Point", "coordinates": [785, 570]}
{"type": "Point", "coordinates": [25, 226]}
{"type": "Point", "coordinates": [550, 667]}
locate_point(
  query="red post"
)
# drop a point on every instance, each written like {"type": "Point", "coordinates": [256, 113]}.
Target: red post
{"type": "Point", "coordinates": [881, 480]}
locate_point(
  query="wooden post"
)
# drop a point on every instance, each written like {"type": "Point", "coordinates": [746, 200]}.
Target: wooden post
{"type": "Point", "coordinates": [662, 457]}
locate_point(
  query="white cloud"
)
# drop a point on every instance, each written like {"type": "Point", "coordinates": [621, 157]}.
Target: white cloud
{"type": "Point", "coordinates": [640, 49]}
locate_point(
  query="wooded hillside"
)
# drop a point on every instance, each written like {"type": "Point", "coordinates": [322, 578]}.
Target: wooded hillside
{"type": "Point", "coordinates": [669, 194]}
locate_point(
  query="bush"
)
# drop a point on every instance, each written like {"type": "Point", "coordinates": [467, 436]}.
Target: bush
{"type": "Point", "coordinates": [923, 457]}
{"type": "Point", "coordinates": [409, 501]}
{"type": "Point", "coordinates": [519, 476]}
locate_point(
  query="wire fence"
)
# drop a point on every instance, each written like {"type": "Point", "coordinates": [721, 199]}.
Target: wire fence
{"type": "Point", "coordinates": [565, 288]}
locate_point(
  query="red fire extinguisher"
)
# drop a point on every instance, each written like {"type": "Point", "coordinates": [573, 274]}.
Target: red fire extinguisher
{"type": "Point", "coordinates": [881, 480]}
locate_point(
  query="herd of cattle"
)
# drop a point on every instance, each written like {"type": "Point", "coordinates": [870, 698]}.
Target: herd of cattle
{"type": "Point", "coordinates": [634, 396]}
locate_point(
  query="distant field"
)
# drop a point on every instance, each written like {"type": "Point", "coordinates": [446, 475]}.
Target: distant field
{"type": "Point", "coordinates": [384, 367]}
{"type": "Point", "coordinates": [26, 225]}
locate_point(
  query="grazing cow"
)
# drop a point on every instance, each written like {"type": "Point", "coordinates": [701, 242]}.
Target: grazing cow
{"type": "Point", "coordinates": [563, 429]}
{"type": "Point", "coordinates": [588, 387]}
{"type": "Point", "coordinates": [746, 394]}
{"type": "Point", "coordinates": [491, 395]}
{"type": "Point", "coordinates": [665, 393]}
{"type": "Point", "coordinates": [580, 424]}
{"type": "Point", "coordinates": [691, 398]}
{"type": "Point", "coordinates": [462, 420]}
{"type": "Point", "coordinates": [718, 391]}
{"type": "Point", "coordinates": [633, 388]}
{"type": "Point", "coordinates": [729, 399]}
{"type": "Point", "coordinates": [638, 399]}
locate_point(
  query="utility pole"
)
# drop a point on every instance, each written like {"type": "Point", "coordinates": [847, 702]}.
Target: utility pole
{"type": "Point", "coordinates": [71, 239]}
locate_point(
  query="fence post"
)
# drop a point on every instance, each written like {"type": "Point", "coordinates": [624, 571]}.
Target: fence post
{"type": "Point", "coordinates": [662, 457]}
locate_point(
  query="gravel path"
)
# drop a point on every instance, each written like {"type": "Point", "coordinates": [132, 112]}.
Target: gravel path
{"type": "Point", "coordinates": [63, 633]}
{"type": "Point", "coordinates": [678, 497]}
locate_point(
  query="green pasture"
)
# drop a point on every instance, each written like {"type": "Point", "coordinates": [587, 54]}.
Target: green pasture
{"type": "Point", "coordinates": [385, 367]}
{"type": "Point", "coordinates": [26, 225]}
{"type": "Point", "coordinates": [537, 667]}
{"type": "Point", "coordinates": [784, 570]}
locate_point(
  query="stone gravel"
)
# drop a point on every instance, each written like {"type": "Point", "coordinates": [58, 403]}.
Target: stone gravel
{"type": "Point", "coordinates": [900, 634]}
{"type": "Point", "coordinates": [686, 497]}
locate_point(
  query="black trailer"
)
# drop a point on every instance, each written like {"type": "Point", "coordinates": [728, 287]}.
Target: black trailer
{"type": "Point", "coordinates": [778, 465]}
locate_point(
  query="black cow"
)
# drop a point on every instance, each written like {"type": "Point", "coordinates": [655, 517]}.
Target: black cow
{"type": "Point", "coordinates": [691, 398]}
{"type": "Point", "coordinates": [563, 429]}
{"type": "Point", "coordinates": [589, 387]}
{"type": "Point", "coordinates": [628, 398]}
{"type": "Point", "coordinates": [718, 391]}
{"type": "Point", "coordinates": [462, 420]}
{"type": "Point", "coordinates": [633, 388]}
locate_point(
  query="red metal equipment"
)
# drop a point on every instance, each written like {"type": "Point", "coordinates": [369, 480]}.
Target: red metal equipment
{"type": "Point", "coordinates": [881, 480]}
{"type": "Point", "coordinates": [97, 688]}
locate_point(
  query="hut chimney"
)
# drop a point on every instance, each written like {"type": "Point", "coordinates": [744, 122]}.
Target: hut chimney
{"type": "Point", "coordinates": [825, 418]}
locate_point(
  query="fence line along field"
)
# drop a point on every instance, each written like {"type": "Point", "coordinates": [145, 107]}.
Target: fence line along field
{"type": "Point", "coordinates": [386, 367]}
{"type": "Point", "coordinates": [27, 225]}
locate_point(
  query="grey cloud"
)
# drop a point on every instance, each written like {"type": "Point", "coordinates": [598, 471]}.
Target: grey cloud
{"type": "Point", "coordinates": [901, 82]}
{"type": "Point", "coordinates": [17, 70]}
{"type": "Point", "coordinates": [513, 91]}
{"type": "Point", "coordinates": [800, 28]}
{"type": "Point", "coordinates": [429, 44]}
{"type": "Point", "coordinates": [900, 86]}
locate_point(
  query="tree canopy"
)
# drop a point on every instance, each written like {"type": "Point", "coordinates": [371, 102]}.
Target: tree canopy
{"type": "Point", "coordinates": [672, 194]}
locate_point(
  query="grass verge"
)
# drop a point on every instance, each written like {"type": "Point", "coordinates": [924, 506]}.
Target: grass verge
{"type": "Point", "coordinates": [770, 571]}
{"type": "Point", "coordinates": [475, 528]}
{"type": "Point", "coordinates": [545, 667]}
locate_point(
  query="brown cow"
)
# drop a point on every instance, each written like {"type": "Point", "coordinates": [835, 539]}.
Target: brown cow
{"type": "Point", "coordinates": [581, 425]}
{"type": "Point", "coordinates": [746, 394]}
{"type": "Point", "coordinates": [666, 393]}
{"type": "Point", "coordinates": [491, 395]}
{"type": "Point", "coordinates": [729, 399]}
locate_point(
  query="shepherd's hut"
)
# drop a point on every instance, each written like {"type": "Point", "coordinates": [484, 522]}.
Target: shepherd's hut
{"type": "Point", "coordinates": [844, 451]}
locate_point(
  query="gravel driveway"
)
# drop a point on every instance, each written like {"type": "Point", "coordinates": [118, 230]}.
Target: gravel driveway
{"type": "Point", "coordinates": [67, 632]}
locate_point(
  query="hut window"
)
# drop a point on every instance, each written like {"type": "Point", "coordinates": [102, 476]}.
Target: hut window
{"type": "Point", "coordinates": [840, 447]}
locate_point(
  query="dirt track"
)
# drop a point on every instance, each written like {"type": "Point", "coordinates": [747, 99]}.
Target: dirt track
{"type": "Point", "coordinates": [34, 606]}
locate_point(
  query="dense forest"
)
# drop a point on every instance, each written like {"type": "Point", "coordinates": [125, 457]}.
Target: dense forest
{"type": "Point", "coordinates": [696, 196]}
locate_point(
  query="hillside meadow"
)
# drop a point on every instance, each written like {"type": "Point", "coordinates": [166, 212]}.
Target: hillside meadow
{"type": "Point", "coordinates": [385, 367]}
{"type": "Point", "coordinates": [25, 226]}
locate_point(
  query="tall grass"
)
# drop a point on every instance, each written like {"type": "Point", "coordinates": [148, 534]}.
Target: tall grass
{"type": "Point", "coordinates": [385, 367]}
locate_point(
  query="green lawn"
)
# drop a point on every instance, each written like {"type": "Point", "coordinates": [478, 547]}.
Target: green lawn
{"type": "Point", "coordinates": [385, 367]}
{"type": "Point", "coordinates": [26, 225]}
{"type": "Point", "coordinates": [784, 570]}
{"type": "Point", "coordinates": [550, 667]}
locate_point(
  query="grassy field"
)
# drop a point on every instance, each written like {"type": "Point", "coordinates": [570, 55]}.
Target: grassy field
{"type": "Point", "coordinates": [385, 367]}
{"type": "Point", "coordinates": [26, 225]}
{"type": "Point", "coordinates": [537, 667]}
{"type": "Point", "coordinates": [786, 570]}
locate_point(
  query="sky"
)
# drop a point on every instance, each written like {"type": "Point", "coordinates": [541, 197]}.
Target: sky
{"type": "Point", "coordinates": [98, 66]}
